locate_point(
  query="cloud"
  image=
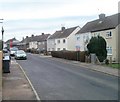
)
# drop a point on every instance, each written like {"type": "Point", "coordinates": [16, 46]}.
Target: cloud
{"type": "Point", "coordinates": [23, 17]}
{"type": "Point", "coordinates": [39, 9]}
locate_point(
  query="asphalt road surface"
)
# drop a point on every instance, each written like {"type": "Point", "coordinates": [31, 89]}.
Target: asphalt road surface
{"type": "Point", "coordinates": [58, 80]}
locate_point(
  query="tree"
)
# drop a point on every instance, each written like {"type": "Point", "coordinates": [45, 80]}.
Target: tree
{"type": "Point", "coordinates": [97, 45]}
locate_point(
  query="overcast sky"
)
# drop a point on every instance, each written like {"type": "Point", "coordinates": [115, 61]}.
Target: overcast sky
{"type": "Point", "coordinates": [26, 17]}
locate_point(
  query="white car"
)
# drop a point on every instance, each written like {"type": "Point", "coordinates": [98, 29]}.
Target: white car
{"type": "Point", "coordinates": [20, 54]}
{"type": "Point", "coordinates": [13, 50]}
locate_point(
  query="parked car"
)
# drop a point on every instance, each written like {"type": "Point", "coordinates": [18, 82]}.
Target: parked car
{"type": "Point", "coordinates": [20, 54]}
{"type": "Point", "coordinates": [13, 50]}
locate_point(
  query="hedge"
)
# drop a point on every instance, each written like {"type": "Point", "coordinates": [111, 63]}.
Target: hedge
{"type": "Point", "coordinates": [70, 55]}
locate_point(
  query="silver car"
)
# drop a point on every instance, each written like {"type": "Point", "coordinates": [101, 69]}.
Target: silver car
{"type": "Point", "coordinates": [20, 54]}
{"type": "Point", "coordinates": [13, 50]}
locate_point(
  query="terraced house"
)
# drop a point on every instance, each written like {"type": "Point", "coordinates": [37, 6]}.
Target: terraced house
{"type": "Point", "coordinates": [63, 39]}
{"type": "Point", "coordinates": [107, 27]}
{"type": "Point", "coordinates": [39, 42]}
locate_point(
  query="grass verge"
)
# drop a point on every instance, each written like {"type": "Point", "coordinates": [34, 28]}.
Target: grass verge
{"type": "Point", "coordinates": [117, 66]}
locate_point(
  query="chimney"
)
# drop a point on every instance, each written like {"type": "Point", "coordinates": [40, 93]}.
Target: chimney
{"type": "Point", "coordinates": [32, 35]}
{"type": "Point", "coordinates": [42, 33]}
{"type": "Point", "coordinates": [63, 28]}
{"type": "Point", "coordinates": [102, 16]}
{"type": "Point", "coordinates": [26, 36]}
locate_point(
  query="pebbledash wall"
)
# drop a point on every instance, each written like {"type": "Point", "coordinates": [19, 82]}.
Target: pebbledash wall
{"type": "Point", "coordinates": [0, 75]}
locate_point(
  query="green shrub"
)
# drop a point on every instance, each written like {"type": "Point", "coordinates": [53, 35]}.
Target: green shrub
{"type": "Point", "coordinates": [70, 55]}
{"type": "Point", "coordinates": [97, 45]}
{"type": "Point", "coordinates": [82, 56]}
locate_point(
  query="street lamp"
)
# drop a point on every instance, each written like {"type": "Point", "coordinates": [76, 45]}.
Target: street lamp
{"type": "Point", "coordinates": [1, 19]}
{"type": "Point", "coordinates": [2, 37]}
{"type": "Point", "coordinates": [2, 33]}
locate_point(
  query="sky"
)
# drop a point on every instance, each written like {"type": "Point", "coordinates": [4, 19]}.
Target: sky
{"type": "Point", "coordinates": [26, 17]}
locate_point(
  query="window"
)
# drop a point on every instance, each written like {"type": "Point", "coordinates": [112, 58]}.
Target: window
{"type": "Point", "coordinates": [83, 37]}
{"type": "Point", "coordinates": [109, 34]}
{"type": "Point", "coordinates": [64, 48]}
{"type": "Point", "coordinates": [77, 48]}
{"type": "Point", "coordinates": [39, 43]}
{"type": "Point", "coordinates": [78, 38]}
{"type": "Point", "coordinates": [58, 49]}
{"type": "Point", "coordinates": [52, 49]}
{"type": "Point", "coordinates": [109, 50]}
{"type": "Point", "coordinates": [43, 43]}
{"type": "Point", "coordinates": [63, 40]}
{"type": "Point", "coordinates": [58, 41]}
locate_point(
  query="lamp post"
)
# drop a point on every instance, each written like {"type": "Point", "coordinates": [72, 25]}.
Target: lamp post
{"type": "Point", "coordinates": [2, 33]}
{"type": "Point", "coordinates": [2, 37]}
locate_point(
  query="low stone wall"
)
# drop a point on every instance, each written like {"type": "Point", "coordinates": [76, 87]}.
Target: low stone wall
{"type": "Point", "coordinates": [0, 75]}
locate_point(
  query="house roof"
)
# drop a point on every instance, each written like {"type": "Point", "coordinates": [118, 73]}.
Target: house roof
{"type": "Point", "coordinates": [26, 40]}
{"type": "Point", "coordinates": [13, 40]}
{"type": "Point", "coordinates": [106, 23]}
{"type": "Point", "coordinates": [39, 38]}
{"type": "Point", "coordinates": [63, 33]}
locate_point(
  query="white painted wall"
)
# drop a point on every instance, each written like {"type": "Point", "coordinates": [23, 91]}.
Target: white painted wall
{"type": "Point", "coordinates": [82, 40]}
{"type": "Point", "coordinates": [71, 40]}
{"type": "Point", "coordinates": [61, 45]}
{"type": "Point", "coordinates": [51, 45]}
{"type": "Point", "coordinates": [111, 42]}
{"type": "Point", "coordinates": [68, 45]}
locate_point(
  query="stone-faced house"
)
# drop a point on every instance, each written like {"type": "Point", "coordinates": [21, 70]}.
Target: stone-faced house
{"type": "Point", "coordinates": [39, 42]}
{"type": "Point", "coordinates": [24, 44]}
{"type": "Point", "coordinates": [107, 27]}
{"type": "Point", "coordinates": [63, 39]}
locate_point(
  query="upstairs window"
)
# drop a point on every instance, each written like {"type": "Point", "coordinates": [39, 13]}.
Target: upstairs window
{"type": "Point", "coordinates": [63, 40]}
{"type": "Point", "coordinates": [78, 38]}
{"type": "Point", "coordinates": [58, 41]}
{"type": "Point", "coordinates": [64, 49]}
{"type": "Point", "coordinates": [58, 49]}
{"type": "Point", "coordinates": [108, 34]}
{"type": "Point", "coordinates": [53, 49]}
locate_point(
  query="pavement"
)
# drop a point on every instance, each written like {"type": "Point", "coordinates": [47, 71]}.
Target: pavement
{"type": "Point", "coordinates": [16, 85]}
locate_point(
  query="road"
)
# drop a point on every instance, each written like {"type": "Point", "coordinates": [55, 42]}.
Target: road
{"type": "Point", "coordinates": [59, 80]}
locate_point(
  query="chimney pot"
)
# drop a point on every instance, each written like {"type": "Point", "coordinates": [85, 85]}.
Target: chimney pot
{"type": "Point", "coordinates": [63, 28]}
{"type": "Point", "coordinates": [102, 16]}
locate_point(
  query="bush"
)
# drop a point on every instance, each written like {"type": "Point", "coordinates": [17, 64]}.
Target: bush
{"type": "Point", "coordinates": [97, 45]}
{"type": "Point", "coordinates": [70, 55]}
{"type": "Point", "coordinates": [82, 56]}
